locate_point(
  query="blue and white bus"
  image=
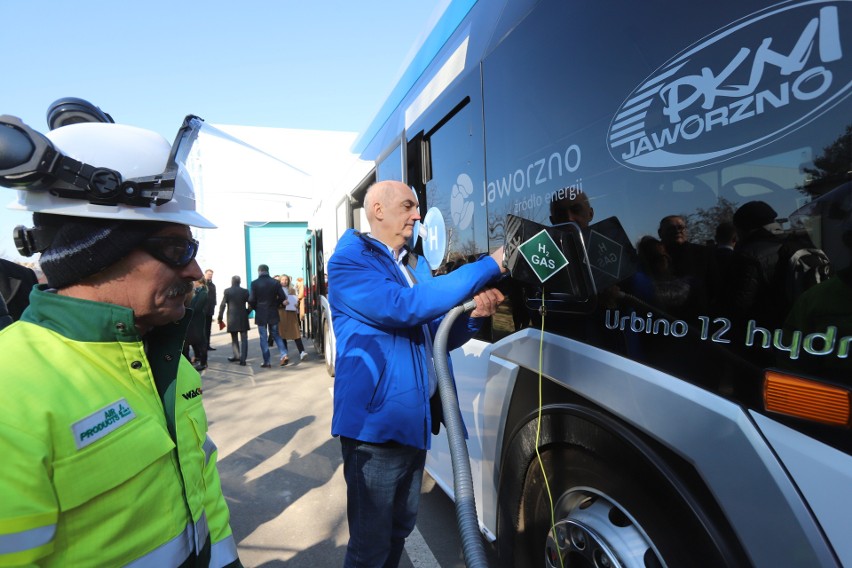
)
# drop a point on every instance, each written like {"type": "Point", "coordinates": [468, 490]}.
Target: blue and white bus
{"type": "Point", "coordinates": [694, 409]}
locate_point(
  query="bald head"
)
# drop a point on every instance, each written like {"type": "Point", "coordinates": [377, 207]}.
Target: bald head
{"type": "Point", "coordinates": [391, 210]}
{"type": "Point", "coordinates": [571, 205]}
{"type": "Point", "coordinates": [376, 195]}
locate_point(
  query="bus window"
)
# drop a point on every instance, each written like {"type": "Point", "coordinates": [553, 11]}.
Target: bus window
{"type": "Point", "coordinates": [390, 167]}
{"type": "Point", "coordinates": [455, 187]}
{"type": "Point", "coordinates": [768, 178]}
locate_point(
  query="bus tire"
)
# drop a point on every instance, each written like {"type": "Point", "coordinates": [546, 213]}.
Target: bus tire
{"type": "Point", "coordinates": [317, 338]}
{"type": "Point", "coordinates": [329, 362]}
{"type": "Point", "coordinates": [609, 504]}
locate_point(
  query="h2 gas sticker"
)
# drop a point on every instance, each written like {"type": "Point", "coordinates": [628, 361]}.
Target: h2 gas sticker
{"type": "Point", "coordinates": [740, 88]}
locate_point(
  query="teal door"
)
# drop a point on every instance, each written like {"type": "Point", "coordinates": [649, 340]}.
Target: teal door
{"type": "Point", "coordinates": [278, 245]}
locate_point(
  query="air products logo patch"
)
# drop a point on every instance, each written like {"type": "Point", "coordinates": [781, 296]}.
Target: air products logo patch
{"type": "Point", "coordinates": [738, 89]}
{"type": "Point", "coordinates": [100, 423]}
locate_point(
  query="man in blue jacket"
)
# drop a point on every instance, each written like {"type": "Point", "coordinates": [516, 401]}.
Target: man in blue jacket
{"type": "Point", "coordinates": [386, 307]}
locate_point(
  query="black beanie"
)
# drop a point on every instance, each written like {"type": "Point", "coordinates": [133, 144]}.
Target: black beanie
{"type": "Point", "coordinates": [752, 215]}
{"type": "Point", "coordinates": [84, 246]}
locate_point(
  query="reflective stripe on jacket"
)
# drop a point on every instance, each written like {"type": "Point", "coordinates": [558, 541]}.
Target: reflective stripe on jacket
{"type": "Point", "coordinates": [97, 470]}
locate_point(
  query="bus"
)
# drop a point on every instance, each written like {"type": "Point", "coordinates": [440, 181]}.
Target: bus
{"type": "Point", "coordinates": [691, 407]}
{"type": "Point", "coordinates": [334, 214]}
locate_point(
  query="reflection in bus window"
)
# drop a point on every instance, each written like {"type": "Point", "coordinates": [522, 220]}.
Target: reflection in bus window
{"type": "Point", "coordinates": [455, 186]}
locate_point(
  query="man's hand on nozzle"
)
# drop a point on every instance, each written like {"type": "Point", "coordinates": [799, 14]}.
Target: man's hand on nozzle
{"type": "Point", "coordinates": [487, 301]}
{"type": "Point", "coordinates": [497, 255]}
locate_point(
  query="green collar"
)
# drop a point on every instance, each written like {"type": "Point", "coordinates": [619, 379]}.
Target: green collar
{"type": "Point", "coordinates": [87, 321]}
{"type": "Point", "coordinates": [96, 322]}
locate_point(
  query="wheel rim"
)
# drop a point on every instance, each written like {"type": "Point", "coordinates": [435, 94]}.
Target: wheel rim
{"type": "Point", "coordinates": [592, 530]}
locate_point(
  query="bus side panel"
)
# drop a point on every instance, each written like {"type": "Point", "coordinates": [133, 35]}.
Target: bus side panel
{"type": "Point", "coordinates": [484, 404]}
{"type": "Point", "coordinates": [824, 476]}
{"type": "Point", "coordinates": [715, 436]}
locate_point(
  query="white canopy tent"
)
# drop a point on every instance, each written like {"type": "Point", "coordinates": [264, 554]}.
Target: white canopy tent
{"type": "Point", "coordinates": [251, 176]}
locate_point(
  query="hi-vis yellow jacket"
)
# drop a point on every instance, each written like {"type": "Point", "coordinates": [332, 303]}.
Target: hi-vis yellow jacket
{"type": "Point", "coordinates": [105, 455]}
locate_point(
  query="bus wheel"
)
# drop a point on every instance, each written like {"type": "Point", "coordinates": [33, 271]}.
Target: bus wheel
{"type": "Point", "coordinates": [326, 341]}
{"type": "Point", "coordinates": [592, 528]}
{"type": "Point", "coordinates": [610, 509]}
{"type": "Point", "coordinates": [318, 338]}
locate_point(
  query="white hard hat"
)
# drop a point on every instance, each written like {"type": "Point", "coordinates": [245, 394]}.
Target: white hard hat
{"type": "Point", "coordinates": [136, 154]}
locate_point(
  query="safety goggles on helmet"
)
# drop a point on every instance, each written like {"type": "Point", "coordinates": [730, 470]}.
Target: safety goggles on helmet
{"type": "Point", "coordinates": [29, 160]}
{"type": "Point", "coordinates": [174, 251]}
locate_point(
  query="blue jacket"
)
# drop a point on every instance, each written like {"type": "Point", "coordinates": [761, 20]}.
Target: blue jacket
{"type": "Point", "coordinates": [381, 384]}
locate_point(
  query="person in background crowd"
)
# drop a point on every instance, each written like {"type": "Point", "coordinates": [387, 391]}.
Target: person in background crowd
{"type": "Point", "coordinates": [16, 283]}
{"type": "Point", "coordinates": [386, 307]}
{"type": "Point", "coordinates": [725, 240]}
{"type": "Point", "coordinates": [270, 340]}
{"type": "Point", "coordinates": [265, 297]}
{"type": "Point", "coordinates": [753, 289]}
{"type": "Point", "coordinates": [826, 308]}
{"type": "Point", "coordinates": [692, 264]}
{"type": "Point", "coordinates": [210, 309]}
{"type": "Point", "coordinates": [289, 324]}
{"type": "Point", "coordinates": [196, 333]}
{"type": "Point", "coordinates": [106, 458]}
{"type": "Point", "coordinates": [301, 292]}
{"type": "Point", "coordinates": [236, 299]}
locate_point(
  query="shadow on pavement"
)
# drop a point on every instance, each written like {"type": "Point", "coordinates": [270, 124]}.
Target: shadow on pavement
{"type": "Point", "coordinates": [253, 503]}
{"type": "Point", "coordinates": [321, 554]}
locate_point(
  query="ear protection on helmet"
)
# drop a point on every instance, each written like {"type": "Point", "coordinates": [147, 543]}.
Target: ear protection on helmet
{"type": "Point", "coordinates": [71, 110]}
{"type": "Point", "coordinates": [29, 241]}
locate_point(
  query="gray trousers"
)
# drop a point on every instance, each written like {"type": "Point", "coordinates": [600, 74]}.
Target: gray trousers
{"type": "Point", "coordinates": [240, 346]}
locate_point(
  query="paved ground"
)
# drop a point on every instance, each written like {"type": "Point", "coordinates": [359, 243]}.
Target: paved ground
{"type": "Point", "coordinates": [279, 465]}
{"type": "Point", "coordinates": [281, 470]}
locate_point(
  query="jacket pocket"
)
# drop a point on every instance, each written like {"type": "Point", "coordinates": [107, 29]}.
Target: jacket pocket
{"type": "Point", "coordinates": [109, 462]}
{"type": "Point", "coordinates": [380, 390]}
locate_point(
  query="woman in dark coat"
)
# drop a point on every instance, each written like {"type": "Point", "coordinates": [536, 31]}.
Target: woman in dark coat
{"type": "Point", "coordinates": [236, 299]}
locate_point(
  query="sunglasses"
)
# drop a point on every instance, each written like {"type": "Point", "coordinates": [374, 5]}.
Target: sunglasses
{"type": "Point", "coordinates": [174, 251]}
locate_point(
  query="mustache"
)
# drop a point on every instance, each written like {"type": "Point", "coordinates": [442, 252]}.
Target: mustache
{"type": "Point", "coordinates": [179, 290]}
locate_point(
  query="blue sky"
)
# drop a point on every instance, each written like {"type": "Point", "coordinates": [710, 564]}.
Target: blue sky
{"type": "Point", "coordinates": [315, 64]}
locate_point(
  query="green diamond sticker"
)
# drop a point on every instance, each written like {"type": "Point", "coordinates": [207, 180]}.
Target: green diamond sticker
{"type": "Point", "coordinates": [543, 255]}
